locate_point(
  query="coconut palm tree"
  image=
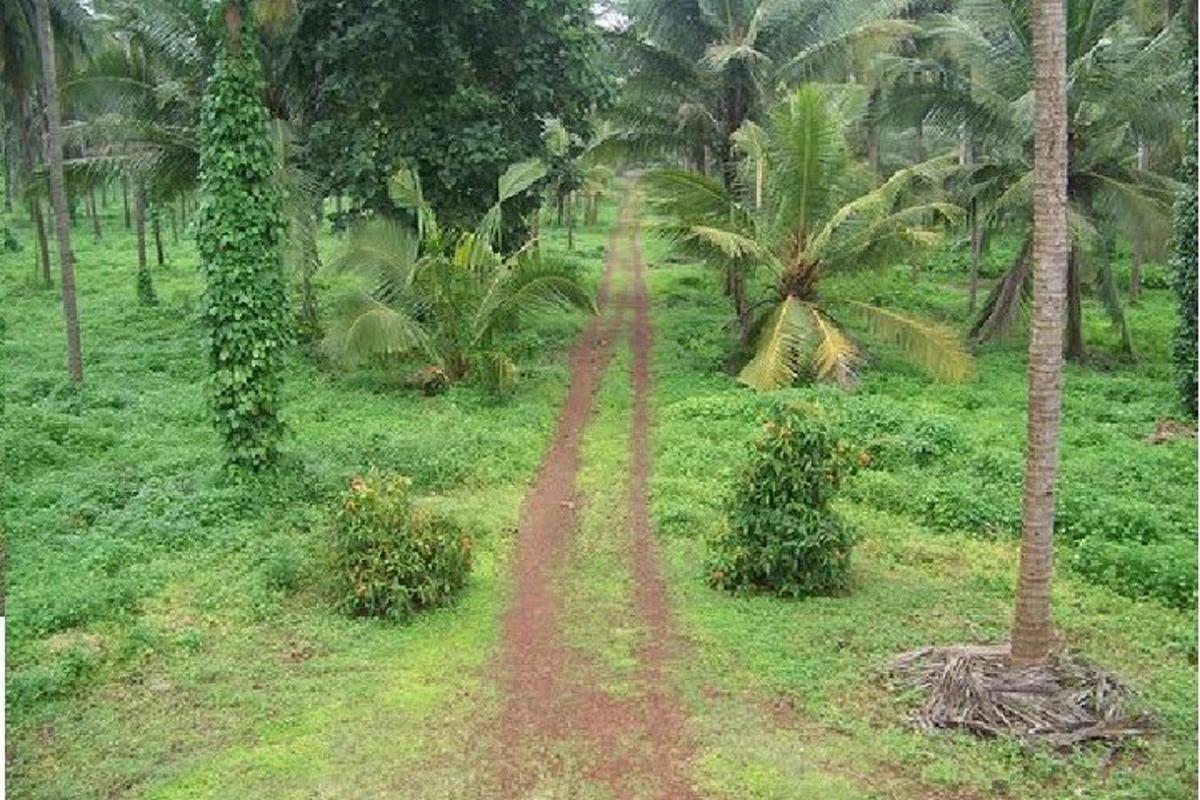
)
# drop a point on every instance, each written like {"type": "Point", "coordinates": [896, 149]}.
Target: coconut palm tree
{"type": "Point", "coordinates": [1032, 633]}
{"type": "Point", "coordinates": [58, 191]}
{"type": "Point", "coordinates": [20, 65]}
{"type": "Point", "coordinates": [441, 294]}
{"type": "Point", "coordinates": [1122, 90]}
{"type": "Point", "coordinates": [819, 213]}
{"type": "Point", "coordinates": [144, 92]}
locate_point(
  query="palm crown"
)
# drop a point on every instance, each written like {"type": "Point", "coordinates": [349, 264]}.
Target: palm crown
{"type": "Point", "coordinates": [444, 294]}
{"type": "Point", "coordinates": [817, 213]}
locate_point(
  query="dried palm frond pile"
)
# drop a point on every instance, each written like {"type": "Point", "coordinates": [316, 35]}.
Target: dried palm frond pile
{"type": "Point", "coordinates": [972, 688]}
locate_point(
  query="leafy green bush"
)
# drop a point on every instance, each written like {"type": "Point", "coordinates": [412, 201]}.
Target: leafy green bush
{"type": "Point", "coordinates": [1164, 572]}
{"type": "Point", "coordinates": [391, 558]}
{"type": "Point", "coordinates": [954, 503]}
{"type": "Point", "coordinates": [782, 536]}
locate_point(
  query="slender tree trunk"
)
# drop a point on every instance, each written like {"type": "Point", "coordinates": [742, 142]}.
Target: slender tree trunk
{"type": "Point", "coordinates": [125, 201]}
{"type": "Point", "coordinates": [872, 123]}
{"type": "Point", "coordinates": [976, 256]}
{"type": "Point", "coordinates": [1135, 264]}
{"type": "Point", "coordinates": [58, 192]}
{"type": "Point", "coordinates": [139, 223]}
{"type": "Point", "coordinates": [233, 27]}
{"type": "Point", "coordinates": [570, 221]}
{"type": "Point", "coordinates": [156, 228]}
{"type": "Point", "coordinates": [920, 140]}
{"type": "Point", "coordinates": [94, 212]}
{"type": "Point", "coordinates": [10, 181]}
{"type": "Point", "coordinates": [1075, 350]}
{"type": "Point", "coordinates": [145, 281]}
{"type": "Point", "coordinates": [26, 122]}
{"type": "Point", "coordinates": [1032, 631]}
{"type": "Point", "coordinates": [43, 242]}
{"type": "Point", "coordinates": [760, 177]}
{"type": "Point", "coordinates": [966, 157]}
{"type": "Point", "coordinates": [174, 225]}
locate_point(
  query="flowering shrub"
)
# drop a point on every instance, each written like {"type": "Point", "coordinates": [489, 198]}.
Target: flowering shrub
{"type": "Point", "coordinates": [392, 558]}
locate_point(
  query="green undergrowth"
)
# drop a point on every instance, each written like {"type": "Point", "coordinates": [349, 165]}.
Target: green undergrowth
{"type": "Point", "coordinates": [787, 696]}
{"type": "Point", "coordinates": [171, 632]}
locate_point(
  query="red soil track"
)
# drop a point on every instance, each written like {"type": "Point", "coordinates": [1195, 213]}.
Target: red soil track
{"type": "Point", "coordinates": [634, 746]}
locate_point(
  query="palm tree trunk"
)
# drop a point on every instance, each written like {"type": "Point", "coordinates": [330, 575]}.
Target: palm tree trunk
{"type": "Point", "coordinates": [58, 192]}
{"type": "Point", "coordinates": [233, 27]}
{"type": "Point", "coordinates": [872, 123]}
{"type": "Point", "coordinates": [156, 228]}
{"type": "Point", "coordinates": [976, 257]}
{"type": "Point", "coordinates": [145, 283]}
{"type": "Point", "coordinates": [125, 200]}
{"type": "Point", "coordinates": [760, 177]}
{"type": "Point", "coordinates": [1135, 265]}
{"type": "Point", "coordinates": [10, 182]}
{"type": "Point", "coordinates": [1075, 350]}
{"type": "Point", "coordinates": [25, 123]}
{"type": "Point", "coordinates": [93, 212]}
{"type": "Point", "coordinates": [43, 243]}
{"type": "Point", "coordinates": [1032, 632]}
{"type": "Point", "coordinates": [966, 157]}
{"type": "Point", "coordinates": [570, 202]}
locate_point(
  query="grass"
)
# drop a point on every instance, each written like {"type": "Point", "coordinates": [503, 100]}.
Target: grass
{"type": "Point", "coordinates": [787, 697]}
{"type": "Point", "coordinates": [169, 632]}
{"type": "Point", "coordinates": [170, 636]}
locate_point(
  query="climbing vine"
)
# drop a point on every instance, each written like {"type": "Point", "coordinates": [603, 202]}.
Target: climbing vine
{"type": "Point", "coordinates": [240, 233]}
{"type": "Point", "coordinates": [1183, 272]}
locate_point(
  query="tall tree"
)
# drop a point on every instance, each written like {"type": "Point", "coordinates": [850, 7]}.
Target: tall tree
{"type": "Point", "coordinates": [1032, 632]}
{"type": "Point", "coordinates": [240, 235]}
{"type": "Point", "coordinates": [1183, 248]}
{"type": "Point", "coordinates": [58, 192]}
{"type": "Point", "coordinates": [461, 95]}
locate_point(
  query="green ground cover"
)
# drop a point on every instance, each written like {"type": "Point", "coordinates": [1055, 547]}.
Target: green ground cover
{"type": "Point", "coordinates": [169, 634]}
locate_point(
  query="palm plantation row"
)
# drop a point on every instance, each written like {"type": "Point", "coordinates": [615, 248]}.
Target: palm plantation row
{"type": "Point", "coordinates": [399, 215]}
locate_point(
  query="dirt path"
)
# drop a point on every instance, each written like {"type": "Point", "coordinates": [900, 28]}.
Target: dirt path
{"type": "Point", "coordinates": [561, 733]}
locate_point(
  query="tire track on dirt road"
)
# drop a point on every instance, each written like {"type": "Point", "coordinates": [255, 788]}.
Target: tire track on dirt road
{"type": "Point", "coordinates": [558, 724]}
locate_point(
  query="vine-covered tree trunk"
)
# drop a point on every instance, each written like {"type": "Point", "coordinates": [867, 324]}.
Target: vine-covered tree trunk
{"type": "Point", "coordinates": [58, 191]}
{"type": "Point", "coordinates": [239, 233]}
{"type": "Point", "coordinates": [1184, 255]}
{"type": "Point", "coordinates": [1032, 632]}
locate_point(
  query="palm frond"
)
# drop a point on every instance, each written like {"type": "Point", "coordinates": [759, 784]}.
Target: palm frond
{"type": "Point", "coordinates": [934, 348]}
{"type": "Point", "coordinates": [780, 353]}
{"type": "Point", "coordinates": [368, 329]}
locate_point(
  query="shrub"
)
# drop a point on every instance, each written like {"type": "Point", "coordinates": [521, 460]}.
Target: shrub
{"type": "Point", "coordinates": [1164, 572]}
{"type": "Point", "coordinates": [976, 507]}
{"type": "Point", "coordinates": [391, 558]}
{"type": "Point", "coordinates": [781, 535]}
